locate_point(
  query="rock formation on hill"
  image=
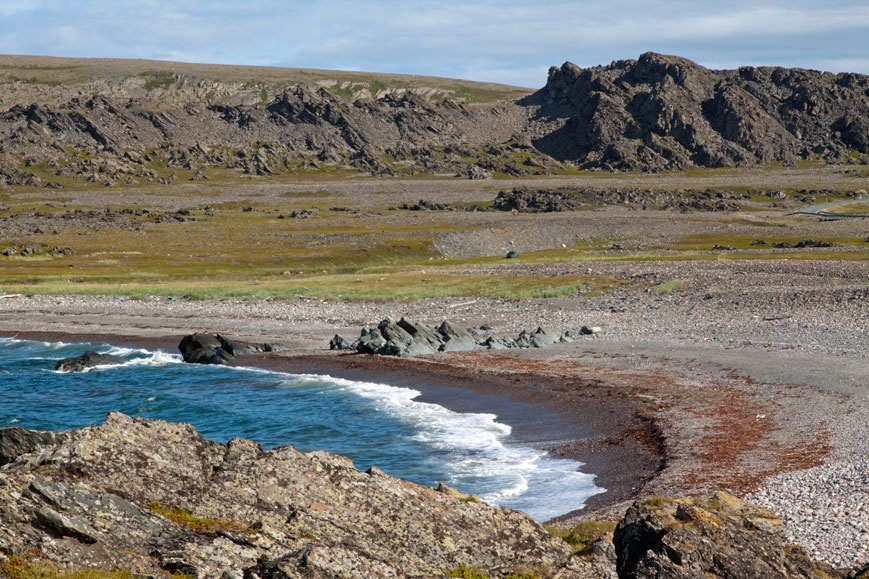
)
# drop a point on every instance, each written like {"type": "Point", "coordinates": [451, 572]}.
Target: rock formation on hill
{"type": "Point", "coordinates": [662, 112]}
{"type": "Point", "coordinates": [152, 497]}
{"type": "Point", "coordinates": [657, 112]}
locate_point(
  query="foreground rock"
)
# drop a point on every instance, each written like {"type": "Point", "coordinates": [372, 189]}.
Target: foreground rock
{"type": "Point", "coordinates": [408, 339]}
{"type": "Point", "coordinates": [124, 495]}
{"type": "Point", "coordinates": [153, 497]}
{"type": "Point", "coordinates": [86, 361]}
{"type": "Point", "coordinates": [717, 537]}
{"type": "Point", "coordinates": [215, 349]}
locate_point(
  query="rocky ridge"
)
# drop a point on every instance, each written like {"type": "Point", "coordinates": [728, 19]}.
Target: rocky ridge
{"type": "Point", "coordinates": [152, 497]}
{"type": "Point", "coordinates": [655, 113]}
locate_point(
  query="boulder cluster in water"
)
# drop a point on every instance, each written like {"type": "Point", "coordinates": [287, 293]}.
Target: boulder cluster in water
{"type": "Point", "coordinates": [408, 339]}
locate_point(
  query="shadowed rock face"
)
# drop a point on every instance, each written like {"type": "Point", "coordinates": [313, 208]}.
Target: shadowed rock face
{"type": "Point", "coordinates": [667, 112]}
{"type": "Point", "coordinates": [91, 499]}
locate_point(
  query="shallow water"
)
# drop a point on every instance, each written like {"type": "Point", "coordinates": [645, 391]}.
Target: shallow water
{"type": "Point", "coordinates": [373, 424]}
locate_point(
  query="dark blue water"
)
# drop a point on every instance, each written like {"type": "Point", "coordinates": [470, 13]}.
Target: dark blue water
{"type": "Point", "coordinates": [373, 424]}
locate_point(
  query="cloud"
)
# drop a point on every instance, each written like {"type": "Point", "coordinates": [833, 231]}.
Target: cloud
{"type": "Point", "coordinates": [506, 41]}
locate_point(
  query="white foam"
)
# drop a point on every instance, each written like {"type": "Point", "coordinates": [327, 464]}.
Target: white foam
{"type": "Point", "coordinates": [481, 454]}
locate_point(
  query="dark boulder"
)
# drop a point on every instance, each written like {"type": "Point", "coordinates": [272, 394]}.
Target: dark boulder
{"type": "Point", "coordinates": [87, 360]}
{"type": "Point", "coordinates": [339, 342]}
{"type": "Point", "coordinates": [202, 348]}
{"type": "Point", "coordinates": [370, 342]}
{"type": "Point", "coordinates": [424, 338]}
{"type": "Point", "coordinates": [455, 339]}
{"type": "Point", "coordinates": [205, 349]}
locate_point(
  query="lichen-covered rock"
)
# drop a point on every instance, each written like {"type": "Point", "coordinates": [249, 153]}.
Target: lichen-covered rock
{"type": "Point", "coordinates": [705, 538]}
{"type": "Point", "coordinates": [151, 496]}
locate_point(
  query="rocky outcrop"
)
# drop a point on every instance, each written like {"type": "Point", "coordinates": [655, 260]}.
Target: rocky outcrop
{"type": "Point", "coordinates": [216, 349]}
{"type": "Point", "coordinates": [720, 536]}
{"type": "Point", "coordinates": [408, 339]}
{"type": "Point", "coordinates": [666, 112]}
{"type": "Point", "coordinates": [86, 361]}
{"type": "Point", "coordinates": [152, 497]}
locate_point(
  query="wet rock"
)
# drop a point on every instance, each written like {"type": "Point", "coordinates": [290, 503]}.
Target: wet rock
{"type": "Point", "coordinates": [86, 361]}
{"type": "Point", "coordinates": [202, 348]}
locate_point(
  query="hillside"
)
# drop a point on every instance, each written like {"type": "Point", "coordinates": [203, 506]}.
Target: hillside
{"type": "Point", "coordinates": [115, 122]}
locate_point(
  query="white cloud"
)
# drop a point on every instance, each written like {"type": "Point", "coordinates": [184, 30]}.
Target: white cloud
{"type": "Point", "coordinates": [506, 41]}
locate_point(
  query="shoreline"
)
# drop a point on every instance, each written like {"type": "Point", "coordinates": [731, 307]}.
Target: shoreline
{"type": "Point", "coordinates": [610, 437]}
{"type": "Point", "coordinates": [752, 381]}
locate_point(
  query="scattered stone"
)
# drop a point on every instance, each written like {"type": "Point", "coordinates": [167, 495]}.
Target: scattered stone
{"type": "Point", "coordinates": [512, 255]}
{"type": "Point", "coordinates": [86, 361]}
{"type": "Point", "coordinates": [813, 243]}
{"type": "Point", "coordinates": [590, 330]}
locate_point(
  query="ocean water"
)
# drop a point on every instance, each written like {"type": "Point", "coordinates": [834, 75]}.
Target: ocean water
{"type": "Point", "coordinates": [373, 424]}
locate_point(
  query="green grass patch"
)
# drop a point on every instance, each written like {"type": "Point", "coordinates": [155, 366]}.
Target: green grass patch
{"type": "Point", "coordinates": [345, 91]}
{"type": "Point", "coordinates": [852, 208]}
{"type": "Point", "coordinates": [582, 536]}
{"type": "Point", "coordinates": [396, 285]}
{"type": "Point", "coordinates": [671, 286]}
{"type": "Point", "coordinates": [162, 79]}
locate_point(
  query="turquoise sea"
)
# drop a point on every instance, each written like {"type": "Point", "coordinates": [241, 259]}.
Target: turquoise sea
{"type": "Point", "coordinates": [373, 424]}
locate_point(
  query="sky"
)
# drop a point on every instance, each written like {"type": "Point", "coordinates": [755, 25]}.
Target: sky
{"type": "Point", "coordinates": [506, 41]}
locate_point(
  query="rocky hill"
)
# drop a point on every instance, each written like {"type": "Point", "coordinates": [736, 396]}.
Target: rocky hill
{"type": "Point", "coordinates": [150, 497]}
{"type": "Point", "coordinates": [64, 121]}
{"type": "Point", "coordinates": [668, 112]}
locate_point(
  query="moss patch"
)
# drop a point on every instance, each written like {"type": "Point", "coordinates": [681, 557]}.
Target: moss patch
{"type": "Point", "coordinates": [582, 536]}
{"type": "Point", "coordinates": [198, 524]}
